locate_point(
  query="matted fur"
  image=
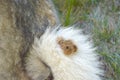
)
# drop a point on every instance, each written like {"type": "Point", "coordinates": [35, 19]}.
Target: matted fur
{"type": "Point", "coordinates": [82, 65]}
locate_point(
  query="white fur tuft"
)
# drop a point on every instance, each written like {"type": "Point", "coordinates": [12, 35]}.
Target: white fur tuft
{"type": "Point", "coordinates": [83, 65]}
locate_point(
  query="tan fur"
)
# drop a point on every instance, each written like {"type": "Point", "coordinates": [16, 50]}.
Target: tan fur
{"type": "Point", "coordinates": [20, 21]}
{"type": "Point", "coordinates": [67, 46]}
{"type": "Point", "coordinates": [10, 42]}
{"type": "Point", "coordinates": [48, 12]}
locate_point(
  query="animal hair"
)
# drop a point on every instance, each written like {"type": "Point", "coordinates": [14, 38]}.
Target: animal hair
{"type": "Point", "coordinates": [79, 62]}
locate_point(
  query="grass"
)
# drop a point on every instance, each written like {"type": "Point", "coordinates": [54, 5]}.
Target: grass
{"type": "Point", "coordinates": [101, 18]}
{"type": "Point", "coordinates": [106, 31]}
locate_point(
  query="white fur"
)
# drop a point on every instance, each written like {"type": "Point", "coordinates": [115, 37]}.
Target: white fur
{"type": "Point", "coordinates": [36, 70]}
{"type": "Point", "coordinates": [82, 65]}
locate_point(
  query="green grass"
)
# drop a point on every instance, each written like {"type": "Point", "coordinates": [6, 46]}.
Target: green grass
{"type": "Point", "coordinates": [102, 19]}
{"type": "Point", "coordinates": [106, 31]}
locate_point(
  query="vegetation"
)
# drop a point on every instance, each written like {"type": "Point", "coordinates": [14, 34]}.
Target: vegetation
{"type": "Point", "coordinates": [101, 18]}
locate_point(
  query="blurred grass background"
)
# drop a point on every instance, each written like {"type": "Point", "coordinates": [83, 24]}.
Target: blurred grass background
{"type": "Point", "coordinates": [101, 18]}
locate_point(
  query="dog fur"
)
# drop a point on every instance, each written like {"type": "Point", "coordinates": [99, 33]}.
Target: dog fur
{"type": "Point", "coordinates": [80, 62]}
{"type": "Point", "coordinates": [20, 22]}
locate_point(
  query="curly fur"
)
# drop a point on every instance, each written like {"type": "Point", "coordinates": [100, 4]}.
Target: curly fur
{"type": "Point", "coordinates": [83, 64]}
